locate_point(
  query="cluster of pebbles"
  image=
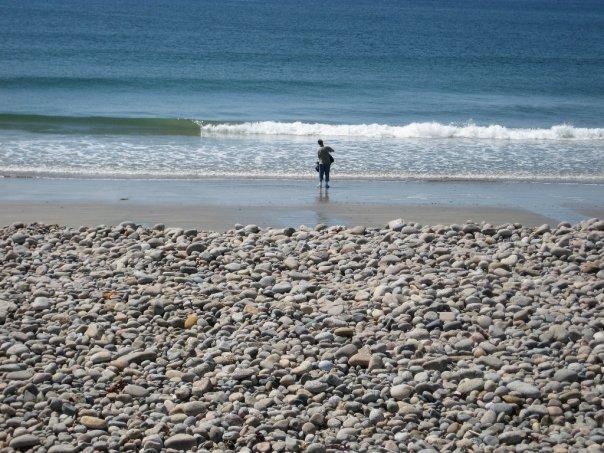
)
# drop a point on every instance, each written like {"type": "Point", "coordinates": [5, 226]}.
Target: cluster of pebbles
{"type": "Point", "coordinates": [402, 338]}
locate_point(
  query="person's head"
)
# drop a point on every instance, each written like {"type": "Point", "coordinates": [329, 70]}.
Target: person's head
{"type": "Point", "coordinates": [320, 142]}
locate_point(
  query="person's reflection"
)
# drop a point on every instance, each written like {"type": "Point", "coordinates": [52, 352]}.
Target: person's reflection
{"type": "Point", "coordinates": [323, 196]}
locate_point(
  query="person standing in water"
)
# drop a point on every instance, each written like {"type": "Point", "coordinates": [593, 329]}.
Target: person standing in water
{"type": "Point", "coordinates": [325, 161]}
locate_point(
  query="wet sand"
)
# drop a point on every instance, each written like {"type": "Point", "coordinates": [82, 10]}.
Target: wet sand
{"type": "Point", "coordinates": [219, 204]}
{"type": "Point", "coordinates": [218, 218]}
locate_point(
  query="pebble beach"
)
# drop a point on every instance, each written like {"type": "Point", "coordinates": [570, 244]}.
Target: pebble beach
{"type": "Point", "coordinates": [467, 337]}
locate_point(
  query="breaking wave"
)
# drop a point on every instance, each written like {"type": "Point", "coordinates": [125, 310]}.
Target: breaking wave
{"type": "Point", "coordinates": [412, 130]}
{"type": "Point", "coordinates": [192, 127]}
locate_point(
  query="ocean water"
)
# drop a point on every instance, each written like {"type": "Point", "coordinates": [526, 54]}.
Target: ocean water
{"type": "Point", "coordinates": [479, 89]}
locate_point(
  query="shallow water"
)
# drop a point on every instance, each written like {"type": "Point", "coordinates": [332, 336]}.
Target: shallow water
{"type": "Point", "coordinates": [288, 157]}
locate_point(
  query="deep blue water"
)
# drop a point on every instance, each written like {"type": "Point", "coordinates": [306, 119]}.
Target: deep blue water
{"type": "Point", "coordinates": [514, 63]}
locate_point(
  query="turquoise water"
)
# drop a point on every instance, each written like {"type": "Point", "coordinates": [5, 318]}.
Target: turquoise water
{"type": "Point", "coordinates": [401, 89]}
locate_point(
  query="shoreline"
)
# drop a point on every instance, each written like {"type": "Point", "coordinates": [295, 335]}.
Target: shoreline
{"type": "Point", "coordinates": [216, 218]}
{"type": "Point", "coordinates": [219, 204]}
{"type": "Point", "coordinates": [310, 176]}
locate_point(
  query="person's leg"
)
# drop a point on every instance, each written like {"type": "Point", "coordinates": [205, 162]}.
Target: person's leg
{"type": "Point", "coordinates": [321, 173]}
{"type": "Point", "coordinates": [327, 168]}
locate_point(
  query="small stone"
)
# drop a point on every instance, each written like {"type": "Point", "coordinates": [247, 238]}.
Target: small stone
{"type": "Point", "coordinates": [267, 281]}
{"type": "Point", "coordinates": [376, 363]}
{"type": "Point", "coordinates": [558, 332]}
{"type": "Point", "coordinates": [304, 367]}
{"type": "Point", "coordinates": [418, 334]}
{"type": "Point", "coordinates": [100, 357]}
{"type": "Point", "coordinates": [492, 362]}
{"type": "Point", "coordinates": [92, 331]}
{"type": "Point", "coordinates": [263, 447]}
{"type": "Point", "coordinates": [180, 442]}
{"type": "Point", "coordinates": [566, 375]}
{"type": "Point", "coordinates": [401, 391]}
{"type": "Point", "coordinates": [500, 408]}
{"type": "Point", "coordinates": [316, 386]}
{"type": "Point", "coordinates": [361, 358]}
{"type": "Point", "coordinates": [560, 252]}
{"type": "Point", "coordinates": [241, 374]}
{"type": "Point", "coordinates": [346, 433]}
{"type": "Point", "coordinates": [251, 309]}
{"type": "Point", "coordinates": [93, 422]}
{"type": "Point", "coordinates": [133, 357]}
{"type": "Point", "coordinates": [325, 365]}
{"type": "Point", "coordinates": [511, 437]}
{"type": "Point", "coordinates": [64, 448]}
{"type": "Point", "coordinates": [291, 263]}
{"type": "Point", "coordinates": [346, 332]}
{"type": "Point", "coordinates": [22, 375]}
{"type": "Point", "coordinates": [447, 316]}
{"type": "Point", "coordinates": [24, 441]}
{"type": "Point", "coordinates": [536, 409]}
{"type": "Point", "coordinates": [438, 364]}
{"type": "Point", "coordinates": [191, 320]}
{"type": "Point", "coordinates": [590, 267]}
{"type": "Point", "coordinates": [396, 224]}
{"type": "Point", "coordinates": [233, 267]}
{"type": "Point", "coordinates": [282, 288]}
{"type": "Point", "coordinates": [512, 399]}
{"type": "Point", "coordinates": [376, 416]}
{"type": "Point", "coordinates": [524, 389]}
{"type": "Point", "coordinates": [216, 433]}
{"type": "Point", "coordinates": [191, 408]}
{"type": "Point", "coordinates": [315, 448]}
{"type": "Point", "coordinates": [335, 309]}
{"type": "Point", "coordinates": [484, 321]}
{"type": "Point", "coordinates": [357, 230]}
{"type": "Point", "coordinates": [6, 307]}
{"type": "Point", "coordinates": [41, 303]}
{"type": "Point", "coordinates": [347, 350]}
{"type": "Point", "coordinates": [136, 391]}
{"type": "Point", "coordinates": [453, 428]}
{"type": "Point", "coordinates": [18, 238]}
{"type": "Point", "coordinates": [469, 385]}
{"type": "Point", "coordinates": [488, 418]}
{"type": "Point", "coordinates": [17, 349]}
{"type": "Point", "coordinates": [195, 247]}
{"type": "Point", "coordinates": [470, 228]}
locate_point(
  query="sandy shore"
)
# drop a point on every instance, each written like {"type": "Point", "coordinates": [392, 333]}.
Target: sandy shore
{"type": "Point", "coordinates": [220, 204]}
{"type": "Point", "coordinates": [404, 338]}
{"type": "Point", "coordinates": [219, 218]}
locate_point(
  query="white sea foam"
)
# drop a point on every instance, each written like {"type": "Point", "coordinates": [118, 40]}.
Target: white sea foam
{"type": "Point", "coordinates": [291, 157]}
{"type": "Point", "coordinates": [412, 130]}
{"type": "Point", "coordinates": [112, 173]}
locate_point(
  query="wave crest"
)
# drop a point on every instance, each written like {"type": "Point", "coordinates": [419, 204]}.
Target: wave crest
{"type": "Point", "coordinates": [192, 127]}
{"type": "Point", "coordinates": [412, 130]}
